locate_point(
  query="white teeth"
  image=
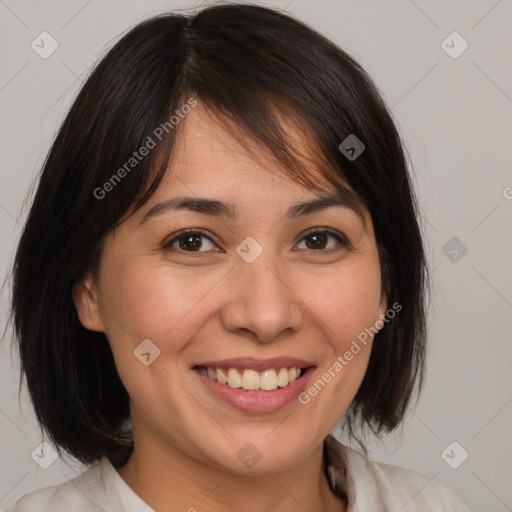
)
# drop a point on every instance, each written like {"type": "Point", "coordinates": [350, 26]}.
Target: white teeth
{"type": "Point", "coordinates": [234, 378]}
{"type": "Point", "coordinates": [282, 378]}
{"type": "Point", "coordinates": [268, 380]}
{"type": "Point", "coordinates": [221, 377]}
{"type": "Point", "coordinates": [252, 380]}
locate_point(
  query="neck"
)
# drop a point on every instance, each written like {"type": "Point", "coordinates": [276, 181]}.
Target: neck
{"type": "Point", "coordinates": [165, 476]}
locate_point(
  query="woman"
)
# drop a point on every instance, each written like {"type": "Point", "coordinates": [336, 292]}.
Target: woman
{"type": "Point", "coordinates": [222, 260]}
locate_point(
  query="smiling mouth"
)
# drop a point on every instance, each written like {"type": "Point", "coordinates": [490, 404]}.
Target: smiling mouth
{"type": "Point", "coordinates": [252, 380]}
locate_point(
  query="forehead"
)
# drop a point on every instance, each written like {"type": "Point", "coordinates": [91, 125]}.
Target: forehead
{"type": "Point", "coordinates": [205, 145]}
{"type": "Point", "coordinates": [209, 156]}
{"type": "Point", "coordinates": [216, 174]}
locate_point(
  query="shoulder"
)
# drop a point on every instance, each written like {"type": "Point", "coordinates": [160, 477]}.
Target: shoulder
{"type": "Point", "coordinates": [369, 484]}
{"type": "Point", "coordinates": [77, 494]}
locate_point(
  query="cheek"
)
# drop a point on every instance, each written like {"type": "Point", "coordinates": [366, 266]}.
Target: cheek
{"type": "Point", "coordinates": [156, 303]}
{"type": "Point", "coordinates": [346, 301]}
{"type": "Point", "coordinates": [150, 300]}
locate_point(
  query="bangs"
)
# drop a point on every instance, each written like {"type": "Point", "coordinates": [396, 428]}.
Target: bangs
{"type": "Point", "coordinates": [268, 126]}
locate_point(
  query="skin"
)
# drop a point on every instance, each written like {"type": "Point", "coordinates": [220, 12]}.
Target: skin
{"type": "Point", "coordinates": [291, 301]}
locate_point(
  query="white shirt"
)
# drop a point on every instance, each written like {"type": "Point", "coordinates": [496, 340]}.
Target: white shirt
{"type": "Point", "coordinates": [369, 487]}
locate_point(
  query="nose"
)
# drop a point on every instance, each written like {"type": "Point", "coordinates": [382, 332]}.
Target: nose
{"type": "Point", "coordinates": [262, 302]}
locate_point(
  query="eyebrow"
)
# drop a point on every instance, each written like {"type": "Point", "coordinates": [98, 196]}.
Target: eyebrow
{"type": "Point", "coordinates": [216, 208]}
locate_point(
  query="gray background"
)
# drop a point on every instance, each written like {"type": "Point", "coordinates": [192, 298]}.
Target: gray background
{"type": "Point", "coordinates": [456, 117]}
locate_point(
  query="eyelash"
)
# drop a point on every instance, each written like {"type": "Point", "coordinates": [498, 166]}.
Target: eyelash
{"type": "Point", "coordinates": [340, 238]}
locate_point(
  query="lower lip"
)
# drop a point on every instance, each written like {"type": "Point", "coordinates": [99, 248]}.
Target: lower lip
{"type": "Point", "coordinates": [258, 401]}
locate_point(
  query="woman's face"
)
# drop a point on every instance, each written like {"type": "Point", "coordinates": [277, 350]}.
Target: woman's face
{"type": "Point", "coordinates": [254, 287]}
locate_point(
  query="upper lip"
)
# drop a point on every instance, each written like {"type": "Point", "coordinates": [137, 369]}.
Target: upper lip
{"type": "Point", "coordinates": [256, 363]}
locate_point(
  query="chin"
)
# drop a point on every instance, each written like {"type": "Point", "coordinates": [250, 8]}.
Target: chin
{"type": "Point", "coordinates": [259, 454]}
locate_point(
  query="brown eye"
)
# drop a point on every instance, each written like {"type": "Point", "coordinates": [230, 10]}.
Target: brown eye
{"type": "Point", "coordinates": [318, 241]}
{"type": "Point", "coordinates": [189, 241]}
{"type": "Point", "coordinates": [193, 241]}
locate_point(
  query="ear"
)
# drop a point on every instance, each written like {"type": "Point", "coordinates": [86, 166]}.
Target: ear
{"type": "Point", "coordinates": [86, 304]}
{"type": "Point", "coordinates": [382, 308]}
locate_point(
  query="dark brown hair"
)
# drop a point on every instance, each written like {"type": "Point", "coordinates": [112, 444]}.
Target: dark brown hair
{"type": "Point", "coordinates": [253, 66]}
